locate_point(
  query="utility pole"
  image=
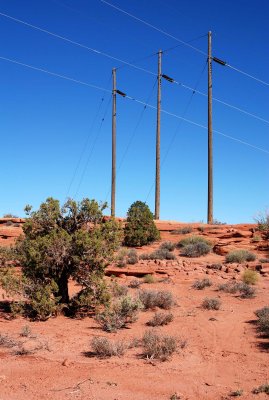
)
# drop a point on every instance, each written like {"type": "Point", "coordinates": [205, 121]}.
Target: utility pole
{"type": "Point", "coordinates": [158, 139]}
{"type": "Point", "coordinates": [113, 178]}
{"type": "Point", "coordinates": [210, 137]}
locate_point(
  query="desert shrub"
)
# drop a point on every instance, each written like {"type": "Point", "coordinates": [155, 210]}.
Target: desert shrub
{"type": "Point", "coordinates": [132, 257]}
{"type": "Point", "coordinates": [202, 283]}
{"type": "Point", "coordinates": [261, 389]}
{"type": "Point", "coordinates": [256, 238]}
{"type": "Point", "coordinates": [201, 228]}
{"type": "Point", "coordinates": [6, 341]}
{"type": "Point", "coordinates": [156, 298]}
{"type": "Point", "coordinates": [135, 283]}
{"type": "Point", "coordinates": [263, 320]}
{"type": "Point", "coordinates": [160, 319]}
{"type": "Point", "coordinates": [9, 215]}
{"type": "Point", "coordinates": [264, 260]}
{"type": "Point", "coordinates": [140, 228]}
{"type": "Point", "coordinates": [149, 278]}
{"type": "Point", "coordinates": [246, 291]}
{"type": "Point", "coordinates": [182, 231]}
{"type": "Point", "coordinates": [157, 346]}
{"type": "Point", "coordinates": [250, 277]}
{"type": "Point", "coordinates": [170, 246]}
{"type": "Point", "coordinates": [60, 243]}
{"type": "Point", "coordinates": [236, 393]}
{"type": "Point", "coordinates": [211, 304]}
{"type": "Point", "coordinates": [263, 224]}
{"type": "Point", "coordinates": [196, 250]}
{"type": "Point", "coordinates": [217, 222]}
{"type": "Point", "coordinates": [103, 347]}
{"type": "Point", "coordinates": [193, 239]}
{"type": "Point", "coordinates": [215, 266]}
{"type": "Point", "coordinates": [25, 331]}
{"type": "Point", "coordinates": [239, 256]}
{"type": "Point", "coordinates": [122, 312]}
{"type": "Point", "coordinates": [9, 223]}
{"type": "Point", "coordinates": [230, 287]}
{"type": "Point", "coordinates": [159, 254]}
{"type": "Point", "coordinates": [118, 290]}
{"type": "Point", "coordinates": [121, 258]}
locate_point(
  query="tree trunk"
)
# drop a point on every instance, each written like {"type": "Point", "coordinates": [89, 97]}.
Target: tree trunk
{"type": "Point", "coordinates": [63, 288]}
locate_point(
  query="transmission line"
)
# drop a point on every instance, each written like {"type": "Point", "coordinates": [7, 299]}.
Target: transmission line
{"type": "Point", "coordinates": [128, 97]}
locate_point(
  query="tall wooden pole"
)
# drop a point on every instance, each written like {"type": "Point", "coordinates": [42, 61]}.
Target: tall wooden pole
{"type": "Point", "coordinates": [113, 178]}
{"type": "Point", "coordinates": [210, 137]}
{"type": "Point", "coordinates": [158, 139]}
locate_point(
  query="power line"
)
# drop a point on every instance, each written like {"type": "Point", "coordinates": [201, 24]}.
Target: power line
{"type": "Point", "coordinates": [92, 148]}
{"type": "Point", "coordinates": [179, 40]}
{"type": "Point", "coordinates": [149, 72]}
{"type": "Point", "coordinates": [128, 97]}
{"type": "Point", "coordinates": [153, 27]}
{"type": "Point", "coordinates": [73, 42]}
{"type": "Point", "coordinates": [86, 143]}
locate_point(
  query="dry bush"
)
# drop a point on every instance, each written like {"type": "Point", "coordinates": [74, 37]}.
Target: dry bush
{"type": "Point", "coordinates": [261, 389]}
{"type": "Point", "coordinates": [236, 393]}
{"type": "Point", "coordinates": [250, 277]}
{"type": "Point", "coordinates": [159, 254]}
{"type": "Point", "coordinates": [156, 298]}
{"type": "Point", "coordinates": [149, 278]}
{"type": "Point", "coordinates": [196, 250]}
{"type": "Point", "coordinates": [132, 257]}
{"type": "Point", "coordinates": [230, 287]}
{"type": "Point", "coordinates": [26, 331]}
{"type": "Point", "coordinates": [193, 239]}
{"type": "Point", "coordinates": [160, 319]}
{"type": "Point", "coordinates": [118, 290]}
{"type": "Point", "coordinates": [7, 341]}
{"type": "Point", "coordinates": [103, 347]}
{"type": "Point", "coordinates": [119, 314]}
{"type": "Point", "coordinates": [200, 284]}
{"type": "Point", "coordinates": [157, 346]}
{"type": "Point", "coordinates": [263, 320]}
{"type": "Point", "coordinates": [240, 256]}
{"type": "Point", "coordinates": [135, 283]}
{"type": "Point", "coordinates": [246, 291]}
{"type": "Point", "coordinates": [170, 246]}
{"type": "Point", "coordinates": [182, 231]}
{"type": "Point", "coordinates": [211, 304]}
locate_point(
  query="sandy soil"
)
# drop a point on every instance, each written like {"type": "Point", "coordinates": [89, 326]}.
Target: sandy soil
{"type": "Point", "coordinates": [223, 352]}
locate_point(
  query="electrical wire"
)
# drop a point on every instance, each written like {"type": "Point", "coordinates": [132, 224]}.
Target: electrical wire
{"type": "Point", "coordinates": [153, 27]}
{"type": "Point", "coordinates": [86, 142]}
{"type": "Point", "coordinates": [179, 40]}
{"type": "Point", "coordinates": [92, 148]}
{"type": "Point", "coordinates": [128, 97]}
{"type": "Point", "coordinates": [152, 73]}
{"type": "Point", "coordinates": [133, 135]}
{"type": "Point", "coordinates": [75, 43]}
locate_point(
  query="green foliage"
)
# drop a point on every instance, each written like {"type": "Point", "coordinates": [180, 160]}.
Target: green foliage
{"type": "Point", "coordinates": [193, 239]}
{"type": "Point", "coordinates": [63, 243]}
{"type": "Point", "coordinates": [149, 278]}
{"type": "Point", "coordinates": [140, 228]}
{"type": "Point", "coordinates": [239, 256]}
{"type": "Point", "coordinates": [263, 224]}
{"type": "Point", "coordinates": [196, 250]}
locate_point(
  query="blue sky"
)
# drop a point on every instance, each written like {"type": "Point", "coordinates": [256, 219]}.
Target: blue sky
{"type": "Point", "coordinates": [56, 134]}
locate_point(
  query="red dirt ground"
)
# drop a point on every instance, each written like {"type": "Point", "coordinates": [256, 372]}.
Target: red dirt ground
{"type": "Point", "coordinates": [223, 352]}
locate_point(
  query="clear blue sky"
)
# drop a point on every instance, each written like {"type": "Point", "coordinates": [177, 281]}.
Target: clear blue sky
{"type": "Point", "coordinates": [53, 139]}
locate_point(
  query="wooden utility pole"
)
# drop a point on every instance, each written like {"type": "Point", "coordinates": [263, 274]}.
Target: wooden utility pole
{"type": "Point", "coordinates": [158, 139]}
{"type": "Point", "coordinates": [113, 178]}
{"type": "Point", "coordinates": [210, 137]}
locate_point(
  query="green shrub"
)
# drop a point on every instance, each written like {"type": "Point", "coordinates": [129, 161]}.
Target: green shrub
{"type": "Point", "coordinates": [263, 224]}
{"type": "Point", "coordinates": [202, 283]}
{"type": "Point", "coordinates": [196, 250]}
{"type": "Point", "coordinates": [157, 346]}
{"type": "Point", "coordinates": [132, 257]}
{"type": "Point", "coordinates": [239, 256]}
{"type": "Point", "coordinates": [193, 239]}
{"type": "Point", "coordinates": [104, 348]}
{"type": "Point", "coordinates": [160, 319]}
{"type": "Point", "coordinates": [140, 228]}
{"type": "Point", "coordinates": [159, 254]}
{"type": "Point", "coordinates": [211, 304]}
{"type": "Point", "coordinates": [156, 298]}
{"type": "Point", "coordinates": [250, 277]}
